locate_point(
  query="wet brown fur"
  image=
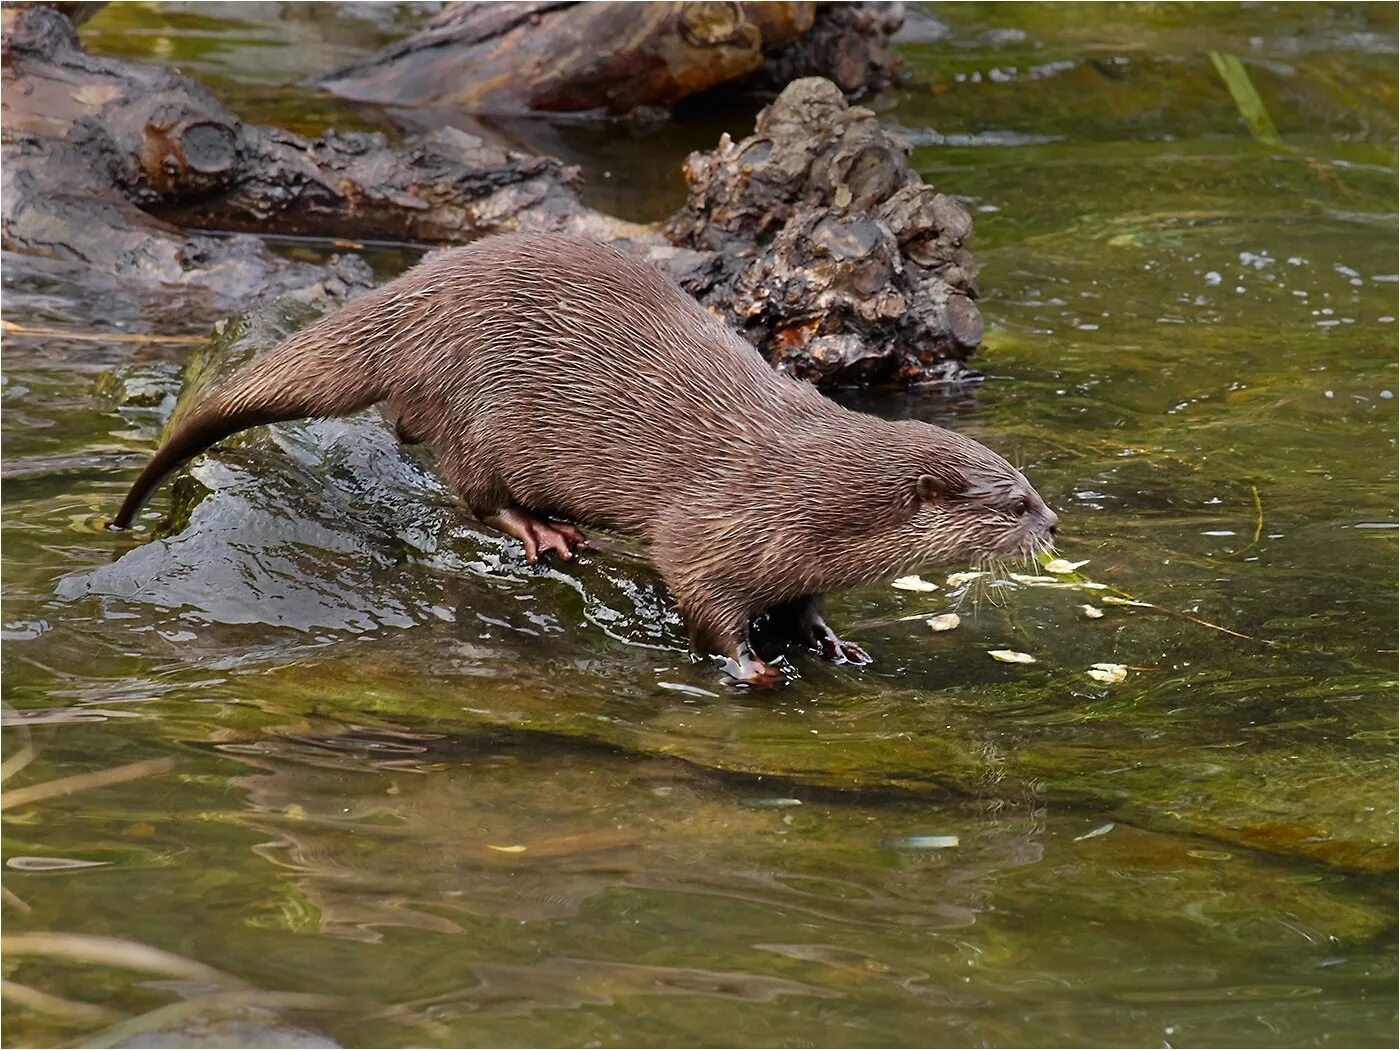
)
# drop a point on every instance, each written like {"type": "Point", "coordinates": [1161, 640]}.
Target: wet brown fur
{"type": "Point", "coordinates": [563, 379]}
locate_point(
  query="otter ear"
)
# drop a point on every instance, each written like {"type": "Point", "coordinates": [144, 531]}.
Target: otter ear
{"type": "Point", "coordinates": [942, 485]}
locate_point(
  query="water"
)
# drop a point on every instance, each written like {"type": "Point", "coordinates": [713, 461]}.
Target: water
{"type": "Point", "coordinates": [480, 804]}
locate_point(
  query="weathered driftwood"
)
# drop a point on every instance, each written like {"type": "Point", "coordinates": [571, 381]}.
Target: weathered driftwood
{"type": "Point", "coordinates": [848, 44]}
{"type": "Point", "coordinates": [112, 162]}
{"type": "Point", "coordinates": [77, 11]}
{"type": "Point", "coordinates": [832, 255]}
{"type": "Point", "coordinates": [72, 184]}
{"type": "Point", "coordinates": [177, 152]}
{"type": "Point", "coordinates": [813, 236]}
{"type": "Point", "coordinates": [548, 57]}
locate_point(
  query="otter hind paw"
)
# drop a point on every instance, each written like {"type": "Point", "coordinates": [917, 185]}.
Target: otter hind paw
{"type": "Point", "coordinates": [539, 535]}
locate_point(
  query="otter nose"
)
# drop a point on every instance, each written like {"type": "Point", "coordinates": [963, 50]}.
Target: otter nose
{"type": "Point", "coordinates": [1052, 521]}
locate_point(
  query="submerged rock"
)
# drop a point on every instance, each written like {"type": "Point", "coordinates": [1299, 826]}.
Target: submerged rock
{"type": "Point", "coordinates": [247, 1026]}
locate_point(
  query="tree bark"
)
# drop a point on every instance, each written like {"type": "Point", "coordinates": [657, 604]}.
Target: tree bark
{"type": "Point", "coordinates": [78, 166]}
{"type": "Point", "coordinates": [547, 57]}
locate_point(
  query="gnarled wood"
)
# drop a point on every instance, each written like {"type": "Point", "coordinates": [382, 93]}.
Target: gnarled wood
{"type": "Point", "coordinates": [813, 236]}
{"type": "Point", "coordinates": [555, 57]}
{"type": "Point", "coordinates": [615, 57]}
{"type": "Point", "coordinates": [831, 254]}
{"type": "Point", "coordinates": [110, 163]}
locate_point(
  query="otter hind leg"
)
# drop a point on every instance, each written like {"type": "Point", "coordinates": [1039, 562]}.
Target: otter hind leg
{"type": "Point", "coordinates": [536, 533]}
{"type": "Point", "coordinates": [801, 620]}
{"type": "Point", "coordinates": [470, 476]}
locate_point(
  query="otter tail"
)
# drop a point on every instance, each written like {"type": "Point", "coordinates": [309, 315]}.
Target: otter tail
{"type": "Point", "coordinates": [314, 373]}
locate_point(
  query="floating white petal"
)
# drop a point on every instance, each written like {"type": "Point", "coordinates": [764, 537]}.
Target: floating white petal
{"type": "Point", "coordinates": [1102, 829]}
{"type": "Point", "coordinates": [913, 583]}
{"type": "Point", "coordinates": [1109, 674]}
{"type": "Point", "coordinates": [1010, 656]}
{"type": "Point", "coordinates": [960, 578]}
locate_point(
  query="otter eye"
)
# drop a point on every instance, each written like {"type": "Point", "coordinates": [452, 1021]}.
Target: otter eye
{"type": "Point", "coordinates": [1020, 506]}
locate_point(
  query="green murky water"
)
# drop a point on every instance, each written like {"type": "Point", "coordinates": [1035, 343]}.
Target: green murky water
{"type": "Point", "coordinates": [479, 804]}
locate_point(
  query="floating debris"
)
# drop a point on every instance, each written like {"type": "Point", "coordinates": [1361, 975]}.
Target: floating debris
{"type": "Point", "coordinates": [1209, 854]}
{"type": "Point", "coordinates": [506, 849]}
{"type": "Point", "coordinates": [1102, 829]}
{"type": "Point", "coordinates": [1258, 524]}
{"type": "Point", "coordinates": [688, 690]}
{"type": "Point", "coordinates": [1109, 674]}
{"type": "Point", "coordinates": [1063, 568]}
{"type": "Point", "coordinates": [913, 583]}
{"type": "Point", "coordinates": [1109, 599]}
{"type": "Point", "coordinates": [923, 842]}
{"type": "Point", "coordinates": [84, 782]}
{"type": "Point", "coordinates": [1010, 656]}
{"type": "Point", "coordinates": [1042, 581]}
{"type": "Point", "coordinates": [51, 863]}
{"type": "Point", "coordinates": [10, 328]}
{"type": "Point", "coordinates": [944, 622]}
{"type": "Point", "coordinates": [1093, 612]}
{"type": "Point", "coordinates": [957, 579]}
{"type": "Point", "coordinates": [772, 803]}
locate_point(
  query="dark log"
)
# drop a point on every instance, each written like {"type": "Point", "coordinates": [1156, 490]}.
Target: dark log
{"type": "Point", "coordinates": [109, 163]}
{"type": "Point", "coordinates": [176, 151]}
{"type": "Point", "coordinates": [848, 44]}
{"type": "Point", "coordinates": [76, 11]}
{"type": "Point", "coordinates": [813, 236]}
{"type": "Point", "coordinates": [616, 57]}
{"type": "Point", "coordinates": [72, 182]}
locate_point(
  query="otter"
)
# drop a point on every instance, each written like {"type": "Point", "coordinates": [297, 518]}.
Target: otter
{"type": "Point", "coordinates": [563, 383]}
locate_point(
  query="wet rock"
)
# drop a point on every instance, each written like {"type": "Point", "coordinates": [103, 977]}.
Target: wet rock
{"type": "Point", "coordinates": [148, 387]}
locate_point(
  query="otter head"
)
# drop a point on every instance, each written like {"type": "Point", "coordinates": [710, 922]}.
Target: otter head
{"type": "Point", "coordinates": [971, 505]}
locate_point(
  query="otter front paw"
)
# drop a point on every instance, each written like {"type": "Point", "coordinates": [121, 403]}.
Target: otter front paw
{"type": "Point", "coordinates": [834, 649]}
{"type": "Point", "coordinates": [839, 652]}
{"type": "Point", "coordinates": [746, 667]}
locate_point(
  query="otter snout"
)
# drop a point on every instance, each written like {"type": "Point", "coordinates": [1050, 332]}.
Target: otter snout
{"type": "Point", "coordinates": [1040, 526]}
{"type": "Point", "coordinates": [1035, 525]}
